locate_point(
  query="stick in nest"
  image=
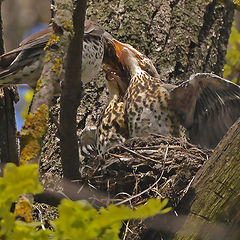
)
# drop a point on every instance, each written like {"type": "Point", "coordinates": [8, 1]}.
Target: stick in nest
{"type": "Point", "coordinates": [149, 188]}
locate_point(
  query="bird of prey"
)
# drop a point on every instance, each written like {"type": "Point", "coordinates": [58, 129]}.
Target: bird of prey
{"type": "Point", "coordinates": [201, 109]}
{"type": "Point", "coordinates": [24, 64]}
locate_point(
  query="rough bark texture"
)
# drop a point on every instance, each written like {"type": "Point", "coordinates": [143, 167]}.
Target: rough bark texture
{"type": "Point", "coordinates": [8, 131]}
{"type": "Point", "coordinates": [182, 37]}
{"type": "Point", "coordinates": [214, 194]}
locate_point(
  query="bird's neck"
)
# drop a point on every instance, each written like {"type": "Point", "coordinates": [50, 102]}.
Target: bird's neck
{"type": "Point", "coordinates": [141, 77]}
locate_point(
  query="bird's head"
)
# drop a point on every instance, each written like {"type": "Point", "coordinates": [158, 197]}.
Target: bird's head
{"type": "Point", "coordinates": [121, 62]}
{"type": "Point", "coordinates": [117, 78]}
{"type": "Point", "coordinates": [132, 60]}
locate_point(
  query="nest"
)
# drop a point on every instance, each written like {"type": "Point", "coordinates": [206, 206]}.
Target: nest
{"type": "Point", "coordinates": [143, 168]}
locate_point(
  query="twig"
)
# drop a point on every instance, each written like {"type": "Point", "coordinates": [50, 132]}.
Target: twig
{"type": "Point", "coordinates": [117, 155]}
{"type": "Point", "coordinates": [139, 155]}
{"type": "Point", "coordinates": [126, 230]}
{"type": "Point", "coordinates": [149, 188]}
{"type": "Point", "coordinates": [41, 218]}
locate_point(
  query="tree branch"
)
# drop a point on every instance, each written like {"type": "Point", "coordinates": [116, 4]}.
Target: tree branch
{"type": "Point", "coordinates": [35, 126]}
{"type": "Point", "coordinates": [71, 95]}
{"type": "Point", "coordinates": [96, 198]}
{"type": "Point", "coordinates": [8, 131]}
{"type": "Point", "coordinates": [214, 194]}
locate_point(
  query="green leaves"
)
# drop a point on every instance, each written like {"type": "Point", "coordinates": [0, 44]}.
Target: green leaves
{"type": "Point", "coordinates": [232, 66]}
{"type": "Point", "coordinates": [77, 220]}
{"type": "Point", "coordinates": [18, 180]}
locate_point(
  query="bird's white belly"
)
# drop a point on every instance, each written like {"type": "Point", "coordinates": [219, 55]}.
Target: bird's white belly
{"type": "Point", "coordinates": [149, 123]}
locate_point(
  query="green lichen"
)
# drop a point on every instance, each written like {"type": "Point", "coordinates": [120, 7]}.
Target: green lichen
{"type": "Point", "coordinates": [32, 132]}
{"type": "Point", "coordinates": [65, 6]}
{"type": "Point", "coordinates": [23, 209]}
{"type": "Point", "coordinates": [68, 25]}
{"type": "Point", "coordinates": [53, 39]}
{"type": "Point", "coordinates": [39, 84]}
{"type": "Point", "coordinates": [47, 57]}
{"type": "Point", "coordinates": [57, 67]}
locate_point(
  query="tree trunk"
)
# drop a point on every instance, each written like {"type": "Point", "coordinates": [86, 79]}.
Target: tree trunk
{"type": "Point", "coordinates": [182, 37]}
{"type": "Point", "coordinates": [8, 132]}
{"type": "Point", "coordinates": [214, 193]}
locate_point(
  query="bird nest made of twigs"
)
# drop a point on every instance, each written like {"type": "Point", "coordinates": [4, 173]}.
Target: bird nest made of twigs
{"type": "Point", "coordinates": [143, 168]}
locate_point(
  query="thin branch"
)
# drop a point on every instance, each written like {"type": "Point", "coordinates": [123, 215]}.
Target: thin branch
{"type": "Point", "coordinates": [95, 197]}
{"type": "Point", "coordinates": [139, 155]}
{"type": "Point", "coordinates": [35, 126]}
{"type": "Point", "coordinates": [71, 95]}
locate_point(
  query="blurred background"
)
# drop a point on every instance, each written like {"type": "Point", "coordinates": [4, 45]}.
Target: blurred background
{"type": "Point", "coordinates": [22, 18]}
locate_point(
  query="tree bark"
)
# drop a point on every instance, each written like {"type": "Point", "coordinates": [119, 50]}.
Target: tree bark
{"type": "Point", "coordinates": [182, 37]}
{"type": "Point", "coordinates": [71, 95]}
{"type": "Point", "coordinates": [8, 131]}
{"type": "Point", "coordinates": [214, 193]}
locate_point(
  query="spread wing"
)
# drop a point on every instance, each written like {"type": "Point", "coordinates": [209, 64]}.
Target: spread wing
{"type": "Point", "coordinates": [207, 106]}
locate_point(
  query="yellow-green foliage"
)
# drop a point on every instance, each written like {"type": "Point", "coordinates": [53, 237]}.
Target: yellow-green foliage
{"type": "Point", "coordinates": [16, 181]}
{"type": "Point", "coordinates": [232, 66]}
{"type": "Point", "coordinates": [77, 220]}
{"type": "Point", "coordinates": [31, 133]}
{"type": "Point", "coordinates": [237, 2]}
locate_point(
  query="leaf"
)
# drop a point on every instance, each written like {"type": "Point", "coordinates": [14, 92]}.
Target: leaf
{"type": "Point", "coordinates": [27, 98]}
{"type": "Point", "coordinates": [18, 180]}
{"type": "Point", "coordinates": [232, 66]}
{"type": "Point", "coordinates": [80, 220]}
{"type": "Point", "coordinates": [77, 220]}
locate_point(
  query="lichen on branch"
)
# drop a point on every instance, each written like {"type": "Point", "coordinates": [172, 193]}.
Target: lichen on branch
{"type": "Point", "coordinates": [35, 126]}
{"type": "Point", "coordinates": [32, 132]}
